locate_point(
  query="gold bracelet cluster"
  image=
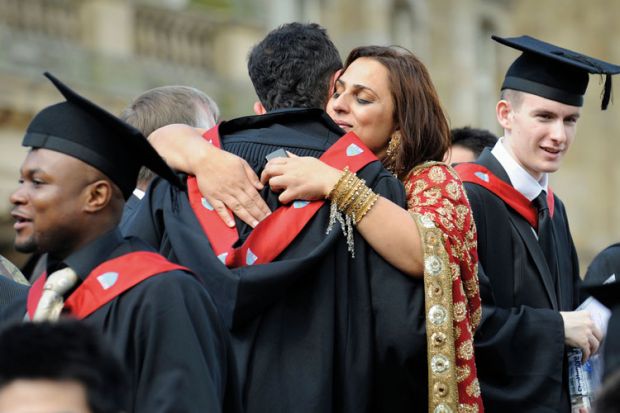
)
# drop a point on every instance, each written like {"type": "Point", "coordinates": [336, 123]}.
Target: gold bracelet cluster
{"type": "Point", "coordinates": [350, 200]}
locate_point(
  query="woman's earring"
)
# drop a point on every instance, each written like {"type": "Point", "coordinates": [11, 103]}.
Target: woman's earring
{"type": "Point", "coordinates": [393, 146]}
{"type": "Point", "coordinates": [392, 152]}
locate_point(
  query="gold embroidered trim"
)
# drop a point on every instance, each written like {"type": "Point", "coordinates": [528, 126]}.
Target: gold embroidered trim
{"type": "Point", "coordinates": [468, 408]}
{"type": "Point", "coordinates": [462, 373]}
{"type": "Point", "coordinates": [442, 377]}
{"type": "Point", "coordinates": [473, 390]}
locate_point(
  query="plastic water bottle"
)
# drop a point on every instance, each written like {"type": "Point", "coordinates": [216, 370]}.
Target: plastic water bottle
{"type": "Point", "coordinates": [578, 382]}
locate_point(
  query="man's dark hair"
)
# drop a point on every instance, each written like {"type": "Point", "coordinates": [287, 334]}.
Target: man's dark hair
{"type": "Point", "coordinates": [67, 350]}
{"type": "Point", "coordinates": [473, 139]}
{"type": "Point", "coordinates": [292, 67]}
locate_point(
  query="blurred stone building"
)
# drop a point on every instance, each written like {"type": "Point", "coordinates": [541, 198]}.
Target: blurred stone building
{"type": "Point", "coordinates": [112, 50]}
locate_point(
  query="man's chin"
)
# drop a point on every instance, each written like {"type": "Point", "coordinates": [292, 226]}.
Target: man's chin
{"type": "Point", "coordinates": [551, 168]}
{"type": "Point", "coordinates": [25, 247]}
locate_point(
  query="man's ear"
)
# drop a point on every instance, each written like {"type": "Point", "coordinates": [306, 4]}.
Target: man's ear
{"type": "Point", "coordinates": [259, 109]}
{"type": "Point", "coordinates": [98, 195]}
{"type": "Point", "coordinates": [503, 111]}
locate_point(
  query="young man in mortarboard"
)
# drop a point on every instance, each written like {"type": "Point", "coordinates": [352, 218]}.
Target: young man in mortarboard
{"type": "Point", "coordinates": [524, 243]}
{"type": "Point", "coordinates": [160, 321]}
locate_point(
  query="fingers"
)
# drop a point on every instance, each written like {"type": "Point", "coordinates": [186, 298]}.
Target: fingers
{"type": "Point", "coordinates": [256, 205]}
{"type": "Point", "coordinates": [282, 184]}
{"type": "Point", "coordinates": [245, 207]}
{"type": "Point", "coordinates": [586, 353]}
{"type": "Point", "coordinates": [597, 332]}
{"type": "Point", "coordinates": [594, 344]}
{"type": "Point", "coordinates": [248, 209]}
{"type": "Point", "coordinates": [221, 210]}
{"type": "Point", "coordinates": [251, 176]}
{"type": "Point", "coordinates": [278, 183]}
{"type": "Point", "coordinates": [244, 202]}
{"type": "Point", "coordinates": [251, 203]}
{"type": "Point", "coordinates": [287, 197]}
{"type": "Point", "coordinates": [274, 167]}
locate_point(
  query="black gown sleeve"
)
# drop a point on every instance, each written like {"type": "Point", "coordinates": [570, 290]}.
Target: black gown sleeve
{"type": "Point", "coordinates": [606, 263]}
{"type": "Point", "coordinates": [519, 350]}
{"type": "Point", "coordinates": [147, 223]}
{"type": "Point", "coordinates": [183, 350]}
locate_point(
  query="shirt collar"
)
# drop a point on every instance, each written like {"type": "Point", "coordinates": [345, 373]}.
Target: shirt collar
{"type": "Point", "coordinates": [94, 253]}
{"type": "Point", "coordinates": [520, 179]}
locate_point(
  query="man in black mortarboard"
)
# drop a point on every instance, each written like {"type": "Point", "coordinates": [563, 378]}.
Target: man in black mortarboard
{"type": "Point", "coordinates": [158, 318]}
{"type": "Point", "coordinates": [529, 270]}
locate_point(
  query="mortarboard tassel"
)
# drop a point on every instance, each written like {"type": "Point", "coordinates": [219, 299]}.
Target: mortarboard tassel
{"type": "Point", "coordinates": [606, 92]}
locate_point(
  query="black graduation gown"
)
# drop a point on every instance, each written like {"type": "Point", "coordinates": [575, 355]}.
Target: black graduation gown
{"type": "Point", "coordinates": [130, 209]}
{"type": "Point", "coordinates": [165, 330]}
{"type": "Point", "coordinates": [606, 263]}
{"type": "Point", "coordinates": [10, 290]}
{"type": "Point", "coordinates": [520, 352]}
{"type": "Point", "coordinates": [315, 330]}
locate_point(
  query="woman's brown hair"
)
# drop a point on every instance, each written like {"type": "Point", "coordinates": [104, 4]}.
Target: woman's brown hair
{"type": "Point", "coordinates": [424, 129]}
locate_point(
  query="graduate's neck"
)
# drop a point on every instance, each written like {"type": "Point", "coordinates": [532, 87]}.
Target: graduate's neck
{"type": "Point", "coordinates": [507, 142]}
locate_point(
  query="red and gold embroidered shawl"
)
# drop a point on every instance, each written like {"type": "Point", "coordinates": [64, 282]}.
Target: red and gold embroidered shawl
{"type": "Point", "coordinates": [437, 202]}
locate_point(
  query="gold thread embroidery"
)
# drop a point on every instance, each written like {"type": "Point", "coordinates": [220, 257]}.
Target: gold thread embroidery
{"type": "Point", "coordinates": [462, 212]}
{"type": "Point", "coordinates": [475, 317]}
{"type": "Point", "coordinates": [432, 196]}
{"type": "Point", "coordinates": [436, 174]}
{"type": "Point", "coordinates": [453, 190]}
{"type": "Point", "coordinates": [473, 390]}
{"type": "Point", "coordinates": [457, 332]}
{"type": "Point", "coordinates": [466, 350]}
{"type": "Point", "coordinates": [468, 408]}
{"type": "Point", "coordinates": [442, 376]}
{"type": "Point", "coordinates": [420, 186]}
{"type": "Point", "coordinates": [460, 312]}
{"type": "Point", "coordinates": [455, 270]}
{"type": "Point", "coordinates": [462, 373]}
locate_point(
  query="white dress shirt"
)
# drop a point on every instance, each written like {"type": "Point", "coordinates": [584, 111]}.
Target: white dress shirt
{"type": "Point", "coordinates": [521, 180]}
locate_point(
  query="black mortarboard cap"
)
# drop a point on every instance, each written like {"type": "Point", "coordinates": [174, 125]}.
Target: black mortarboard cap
{"type": "Point", "coordinates": [609, 295]}
{"type": "Point", "coordinates": [79, 128]}
{"type": "Point", "coordinates": [553, 72]}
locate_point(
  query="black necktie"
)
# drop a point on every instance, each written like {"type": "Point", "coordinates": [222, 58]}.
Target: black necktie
{"type": "Point", "coordinates": [546, 233]}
